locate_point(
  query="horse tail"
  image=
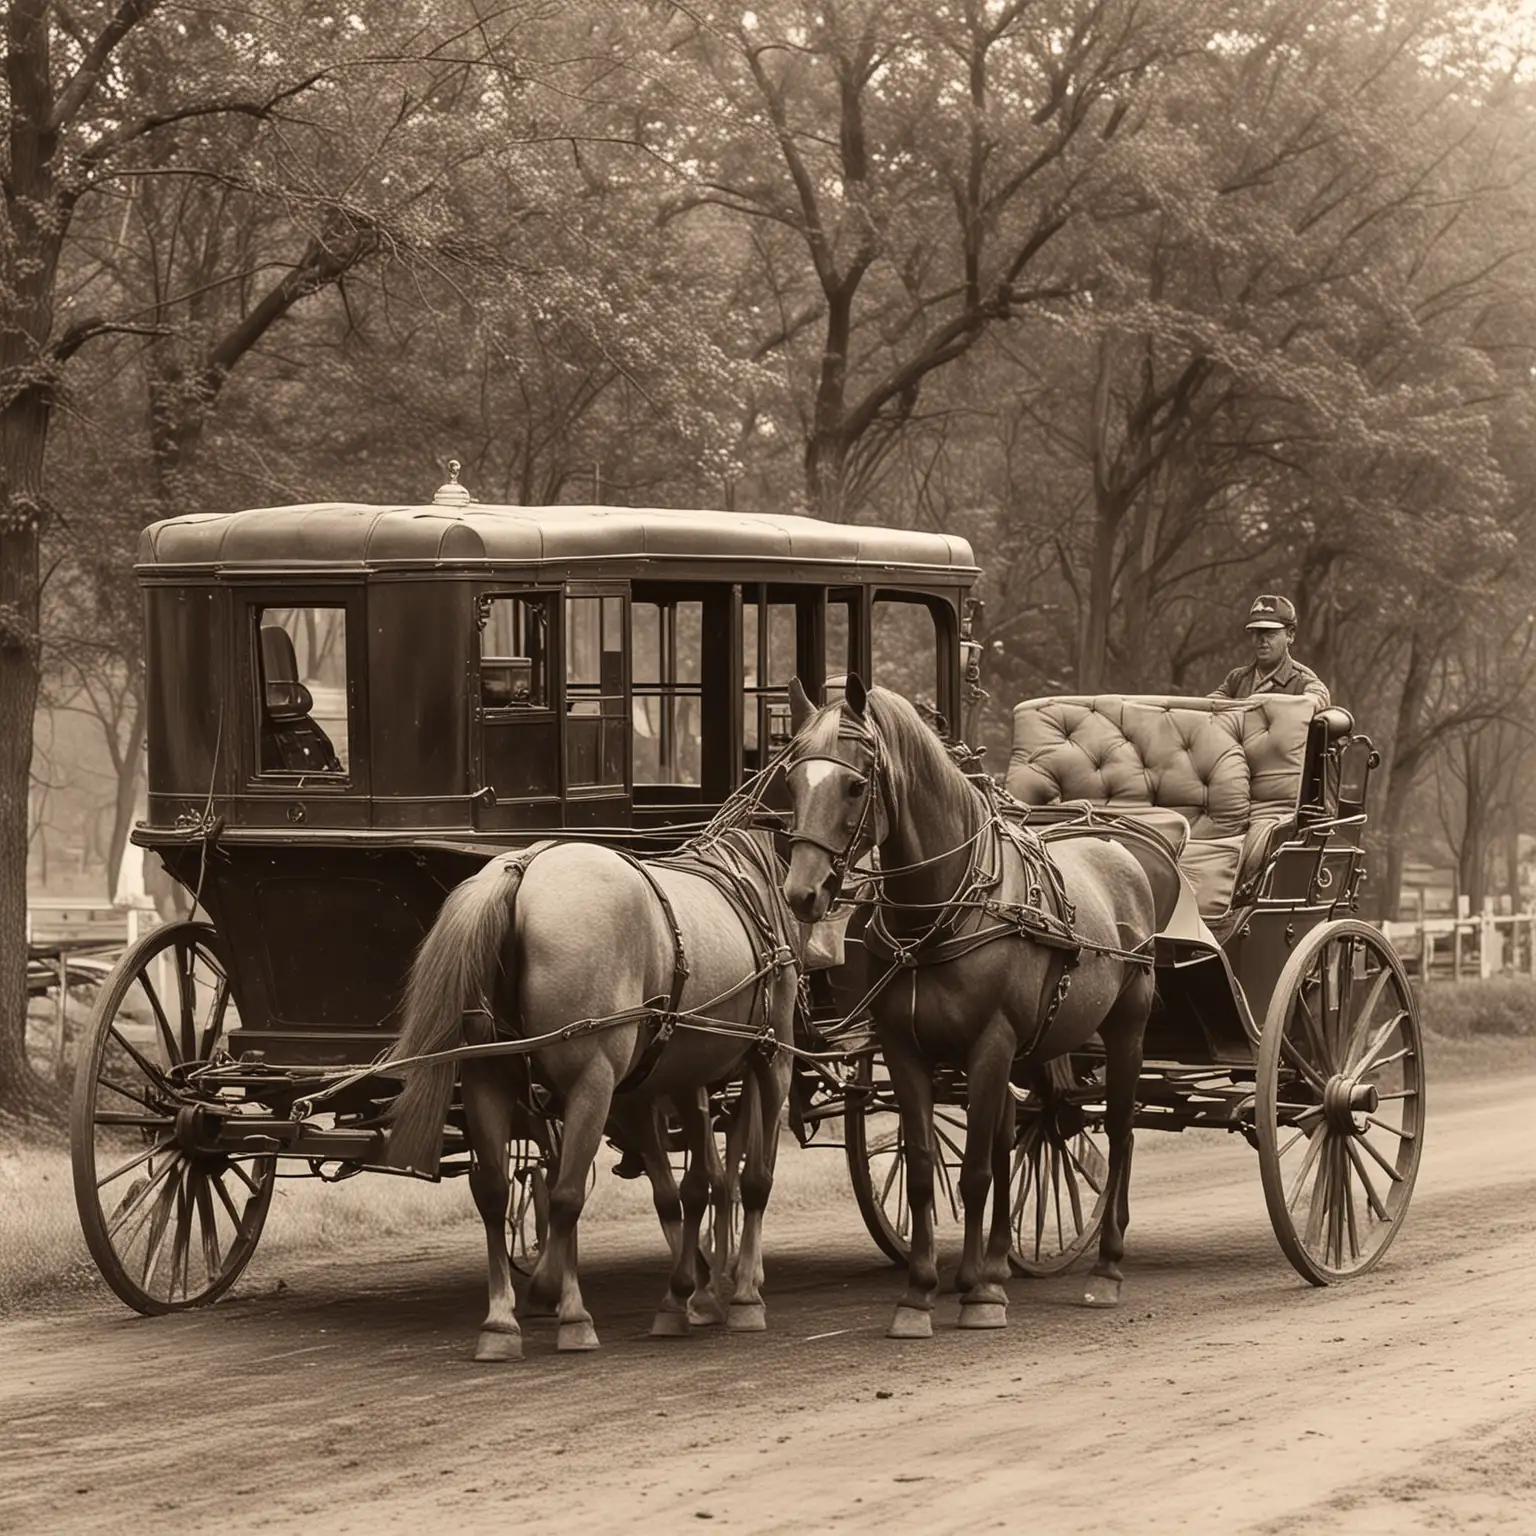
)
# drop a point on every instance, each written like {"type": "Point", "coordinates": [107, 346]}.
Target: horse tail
{"type": "Point", "coordinates": [454, 969]}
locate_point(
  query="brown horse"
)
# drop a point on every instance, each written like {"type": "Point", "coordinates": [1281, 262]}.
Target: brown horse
{"type": "Point", "coordinates": [978, 967]}
{"type": "Point", "coordinates": [637, 982]}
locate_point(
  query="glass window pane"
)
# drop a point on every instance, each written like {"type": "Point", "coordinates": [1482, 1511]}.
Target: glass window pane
{"type": "Point", "coordinates": [668, 640]}
{"type": "Point", "coordinates": [905, 644]}
{"type": "Point", "coordinates": [514, 653]}
{"type": "Point", "coordinates": [583, 639]}
{"type": "Point", "coordinates": [301, 657]}
{"type": "Point", "coordinates": [595, 651]}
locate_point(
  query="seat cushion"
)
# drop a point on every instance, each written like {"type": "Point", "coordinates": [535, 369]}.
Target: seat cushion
{"type": "Point", "coordinates": [1273, 731]}
{"type": "Point", "coordinates": [1231, 768]}
{"type": "Point", "coordinates": [1211, 865]}
{"type": "Point", "coordinates": [1121, 752]}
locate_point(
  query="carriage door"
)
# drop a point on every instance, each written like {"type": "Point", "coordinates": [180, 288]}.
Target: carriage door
{"type": "Point", "coordinates": [597, 716]}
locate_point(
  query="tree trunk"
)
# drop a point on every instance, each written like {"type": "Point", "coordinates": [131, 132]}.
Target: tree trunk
{"type": "Point", "coordinates": [126, 800]}
{"type": "Point", "coordinates": [1403, 766]}
{"type": "Point", "coordinates": [23, 431]}
{"type": "Point", "coordinates": [826, 451]}
{"type": "Point", "coordinates": [1093, 629]}
{"type": "Point", "coordinates": [29, 258]}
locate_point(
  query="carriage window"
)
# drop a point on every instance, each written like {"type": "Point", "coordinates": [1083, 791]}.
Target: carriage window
{"type": "Point", "coordinates": [514, 653]}
{"type": "Point", "coordinates": [768, 662]}
{"type": "Point", "coordinates": [840, 624]}
{"type": "Point", "coordinates": [594, 690]}
{"type": "Point", "coordinates": [301, 656]}
{"type": "Point", "coordinates": [668, 650]}
{"type": "Point", "coordinates": [904, 639]}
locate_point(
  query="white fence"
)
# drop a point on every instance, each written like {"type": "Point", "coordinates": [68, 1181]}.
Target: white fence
{"type": "Point", "coordinates": [1461, 948]}
{"type": "Point", "coordinates": [55, 920]}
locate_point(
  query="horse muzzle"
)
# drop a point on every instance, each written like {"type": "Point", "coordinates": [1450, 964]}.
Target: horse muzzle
{"type": "Point", "coordinates": [812, 884]}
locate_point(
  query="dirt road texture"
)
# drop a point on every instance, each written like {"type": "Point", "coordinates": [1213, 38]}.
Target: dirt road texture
{"type": "Point", "coordinates": [1224, 1395]}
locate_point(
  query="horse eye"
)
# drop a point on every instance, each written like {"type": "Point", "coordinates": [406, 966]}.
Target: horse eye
{"type": "Point", "coordinates": [855, 789]}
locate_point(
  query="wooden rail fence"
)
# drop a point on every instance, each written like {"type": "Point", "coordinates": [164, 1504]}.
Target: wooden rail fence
{"type": "Point", "coordinates": [1466, 948]}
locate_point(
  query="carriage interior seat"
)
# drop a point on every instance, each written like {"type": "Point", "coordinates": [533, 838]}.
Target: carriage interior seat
{"type": "Point", "coordinates": [1230, 769]}
{"type": "Point", "coordinates": [290, 740]}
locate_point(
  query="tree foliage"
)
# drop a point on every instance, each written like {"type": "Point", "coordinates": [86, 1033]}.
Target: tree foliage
{"type": "Point", "coordinates": [1159, 303]}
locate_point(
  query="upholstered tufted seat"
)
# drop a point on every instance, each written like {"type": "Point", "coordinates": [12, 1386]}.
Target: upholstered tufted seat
{"type": "Point", "coordinates": [1231, 767]}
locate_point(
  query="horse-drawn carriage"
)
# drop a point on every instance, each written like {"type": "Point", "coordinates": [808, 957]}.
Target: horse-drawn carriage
{"type": "Point", "coordinates": [353, 710]}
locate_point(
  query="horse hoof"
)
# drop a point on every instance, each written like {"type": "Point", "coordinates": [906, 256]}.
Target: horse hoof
{"type": "Point", "coordinates": [983, 1314]}
{"type": "Point", "coordinates": [495, 1348]}
{"type": "Point", "coordinates": [747, 1317]}
{"type": "Point", "coordinates": [576, 1336]}
{"type": "Point", "coordinates": [1101, 1291]}
{"type": "Point", "coordinates": [705, 1312]}
{"type": "Point", "coordinates": [670, 1325]}
{"type": "Point", "coordinates": [911, 1323]}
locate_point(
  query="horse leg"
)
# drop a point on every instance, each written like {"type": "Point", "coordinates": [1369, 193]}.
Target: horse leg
{"type": "Point", "coordinates": [688, 1284]}
{"type": "Point", "coordinates": [554, 1279]}
{"type": "Point", "coordinates": [983, 1300]}
{"type": "Point", "coordinates": [1122, 1033]}
{"type": "Point", "coordinates": [912, 1079]}
{"type": "Point", "coordinates": [715, 1262]}
{"type": "Point", "coordinates": [768, 1081]}
{"type": "Point", "coordinates": [642, 1127]}
{"type": "Point", "coordinates": [487, 1098]}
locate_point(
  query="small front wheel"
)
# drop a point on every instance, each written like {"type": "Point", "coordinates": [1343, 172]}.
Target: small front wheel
{"type": "Point", "coordinates": [1059, 1183]}
{"type": "Point", "coordinates": [169, 1225]}
{"type": "Point", "coordinates": [877, 1165]}
{"type": "Point", "coordinates": [1340, 1101]}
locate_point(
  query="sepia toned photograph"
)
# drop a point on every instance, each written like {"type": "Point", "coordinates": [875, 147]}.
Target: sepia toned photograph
{"type": "Point", "coordinates": [768, 768]}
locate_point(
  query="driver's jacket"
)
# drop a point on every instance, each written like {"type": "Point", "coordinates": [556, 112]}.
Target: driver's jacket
{"type": "Point", "coordinates": [1289, 677]}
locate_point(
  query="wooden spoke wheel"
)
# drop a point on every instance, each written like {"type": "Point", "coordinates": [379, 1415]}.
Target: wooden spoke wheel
{"type": "Point", "coordinates": [169, 1225]}
{"type": "Point", "coordinates": [877, 1165]}
{"type": "Point", "coordinates": [1060, 1176]}
{"type": "Point", "coordinates": [533, 1162]}
{"type": "Point", "coordinates": [1340, 1101]}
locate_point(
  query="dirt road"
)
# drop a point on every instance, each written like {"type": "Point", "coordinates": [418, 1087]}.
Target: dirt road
{"type": "Point", "coordinates": [1223, 1395]}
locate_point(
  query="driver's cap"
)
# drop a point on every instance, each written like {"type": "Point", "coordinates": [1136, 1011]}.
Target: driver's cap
{"type": "Point", "coordinates": [1271, 612]}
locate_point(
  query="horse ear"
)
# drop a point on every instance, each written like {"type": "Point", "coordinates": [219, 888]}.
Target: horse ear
{"type": "Point", "coordinates": [854, 695]}
{"type": "Point", "coordinates": [800, 707]}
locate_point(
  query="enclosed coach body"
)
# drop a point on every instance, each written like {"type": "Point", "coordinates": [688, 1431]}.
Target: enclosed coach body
{"type": "Point", "coordinates": [351, 707]}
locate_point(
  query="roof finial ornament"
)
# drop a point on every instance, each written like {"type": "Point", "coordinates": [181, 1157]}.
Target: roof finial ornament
{"type": "Point", "coordinates": [451, 493]}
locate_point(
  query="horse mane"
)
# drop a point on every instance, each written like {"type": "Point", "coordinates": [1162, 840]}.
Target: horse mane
{"type": "Point", "coordinates": [915, 745]}
{"type": "Point", "coordinates": [915, 750]}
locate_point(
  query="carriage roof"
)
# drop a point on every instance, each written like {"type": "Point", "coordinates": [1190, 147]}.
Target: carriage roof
{"type": "Point", "coordinates": [362, 536]}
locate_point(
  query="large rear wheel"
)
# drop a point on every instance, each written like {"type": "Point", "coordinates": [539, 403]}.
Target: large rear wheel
{"type": "Point", "coordinates": [1340, 1101]}
{"type": "Point", "coordinates": [169, 1226]}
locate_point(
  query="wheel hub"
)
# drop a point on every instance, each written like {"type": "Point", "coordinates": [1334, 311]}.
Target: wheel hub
{"type": "Point", "coordinates": [1345, 1097]}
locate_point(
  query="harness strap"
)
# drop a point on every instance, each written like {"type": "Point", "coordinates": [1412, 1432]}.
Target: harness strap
{"type": "Point", "coordinates": [663, 1018]}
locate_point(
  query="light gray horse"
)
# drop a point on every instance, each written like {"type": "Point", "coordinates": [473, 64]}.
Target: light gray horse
{"type": "Point", "coordinates": [682, 972]}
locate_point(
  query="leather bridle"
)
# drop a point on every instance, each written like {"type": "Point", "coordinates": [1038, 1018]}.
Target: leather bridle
{"type": "Point", "coordinates": [862, 838]}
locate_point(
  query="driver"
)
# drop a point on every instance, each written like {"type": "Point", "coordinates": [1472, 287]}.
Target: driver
{"type": "Point", "coordinates": [1272, 629]}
